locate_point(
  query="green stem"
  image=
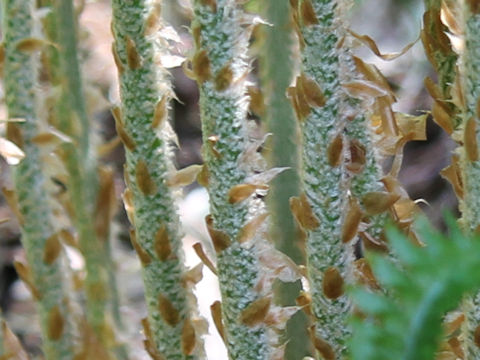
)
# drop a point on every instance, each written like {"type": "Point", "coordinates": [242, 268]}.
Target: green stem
{"type": "Point", "coordinates": [323, 180]}
{"type": "Point", "coordinates": [470, 163]}
{"type": "Point", "coordinates": [220, 66]}
{"type": "Point", "coordinates": [38, 231]}
{"type": "Point", "coordinates": [80, 162]}
{"type": "Point", "coordinates": [145, 90]}
{"type": "Point", "coordinates": [276, 72]}
{"type": "Point", "coordinates": [276, 64]}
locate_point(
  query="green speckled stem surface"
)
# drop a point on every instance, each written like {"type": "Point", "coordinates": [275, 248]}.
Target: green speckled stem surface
{"type": "Point", "coordinates": [470, 206]}
{"type": "Point", "coordinates": [369, 179]}
{"type": "Point", "coordinates": [20, 87]}
{"type": "Point", "coordinates": [471, 75]}
{"type": "Point", "coordinates": [80, 163]}
{"type": "Point", "coordinates": [223, 115]}
{"type": "Point", "coordinates": [324, 185]}
{"type": "Point", "coordinates": [140, 90]}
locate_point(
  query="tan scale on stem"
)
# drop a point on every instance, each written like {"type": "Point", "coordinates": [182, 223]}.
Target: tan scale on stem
{"type": "Point", "coordinates": [456, 110]}
{"type": "Point", "coordinates": [44, 273]}
{"type": "Point", "coordinates": [142, 123]}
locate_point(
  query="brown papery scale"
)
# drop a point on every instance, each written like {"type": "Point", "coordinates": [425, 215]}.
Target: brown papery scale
{"type": "Point", "coordinates": [145, 259]}
{"type": "Point", "coordinates": [303, 213]}
{"type": "Point", "coordinates": [161, 244]}
{"type": "Point", "coordinates": [224, 78]}
{"type": "Point", "coordinates": [160, 112]}
{"type": "Point", "coordinates": [476, 336]}
{"type": "Point", "coordinates": [201, 66]}
{"type": "Point", "coordinates": [220, 239]}
{"type": "Point", "coordinates": [474, 6]}
{"type": "Point", "coordinates": [357, 157]}
{"type": "Point", "coordinates": [153, 23]}
{"type": "Point", "coordinates": [442, 118]}
{"type": "Point", "coordinates": [15, 135]}
{"type": "Point", "coordinates": [373, 244]}
{"type": "Point", "coordinates": [303, 105]}
{"type": "Point", "coordinates": [376, 202]}
{"type": "Point", "coordinates": [144, 181]}
{"type": "Point", "coordinates": [116, 59]}
{"type": "Point", "coordinates": [24, 274]}
{"type": "Point", "coordinates": [149, 343]}
{"type": "Point", "coordinates": [126, 139]}
{"type": "Point", "coordinates": [197, 247]}
{"type": "Point", "coordinates": [352, 220]}
{"type": "Point", "coordinates": [185, 176]}
{"type": "Point", "coordinates": [255, 313]}
{"type": "Point", "coordinates": [55, 323]}
{"type": "Point", "coordinates": [312, 91]}
{"type": "Point", "coordinates": [134, 61]}
{"type": "Point", "coordinates": [365, 274]}
{"type": "Point", "coordinates": [308, 13]}
{"type": "Point", "coordinates": [169, 313]}
{"type": "Point", "coordinates": [242, 192]}
{"type": "Point", "coordinates": [52, 249]}
{"type": "Point", "coordinates": [470, 140]}
{"type": "Point", "coordinates": [332, 284]}
{"type": "Point", "coordinates": [257, 102]}
{"type": "Point", "coordinates": [12, 202]}
{"type": "Point", "coordinates": [323, 347]}
{"type": "Point", "coordinates": [188, 337]}
{"type": "Point", "coordinates": [202, 176]}
{"type": "Point", "coordinates": [30, 45]}
{"type": "Point", "coordinates": [216, 311]}
{"type": "Point", "coordinates": [250, 229]}
{"type": "Point", "coordinates": [334, 151]}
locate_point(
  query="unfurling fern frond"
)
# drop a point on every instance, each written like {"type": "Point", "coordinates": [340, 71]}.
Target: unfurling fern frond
{"type": "Point", "coordinates": [405, 320]}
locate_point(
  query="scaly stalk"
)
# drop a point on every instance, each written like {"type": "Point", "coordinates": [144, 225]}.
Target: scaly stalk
{"type": "Point", "coordinates": [469, 156]}
{"type": "Point", "coordinates": [439, 50]}
{"type": "Point", "coordinates": [142, 125]}
{"type": "Point", "coordinates": [80, 162]}
{"type": "Point", "coordinates": [40, 240]}
{"type": "Point", "coordinates": [220, 68]}
{"type": "Point", "coordinates": [440, 53]}
{"type": "Point", "coordinates": [369, 200]}
{"type": "Point", "coordinates": [276, 56]}
{"type": "Point", "coordinates": [52, 63]}
{"type": "Point", "coordinates": [317, 98]}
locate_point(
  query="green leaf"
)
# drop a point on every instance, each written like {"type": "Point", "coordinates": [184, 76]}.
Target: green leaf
{"type": "Point", "coordinates": [420, 285]}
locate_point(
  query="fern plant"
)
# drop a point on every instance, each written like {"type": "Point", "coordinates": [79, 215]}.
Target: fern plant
{"type": "Point", "coordinates": [344, 119]}
{"type": "Point", "coordinates": [405, 320]}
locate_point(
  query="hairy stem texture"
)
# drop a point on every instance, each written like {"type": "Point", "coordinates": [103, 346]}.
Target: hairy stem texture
{"type": "Point", "coordinates": [220, 66]}
{"type": "Point", "coordinates": [72, 118]}
{"type": "Point", "coordinates": [142, 125]}
{"type": "Point", "coordinates": [470, 163]}
{"type": "Point", "coordinates": [38, 233]}
{"type": "Point", "coordinates": [322, 125]}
